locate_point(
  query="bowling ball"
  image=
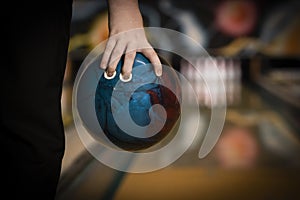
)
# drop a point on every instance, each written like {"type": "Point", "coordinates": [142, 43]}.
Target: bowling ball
{"type": "Point", "coordinates": [149, 91]}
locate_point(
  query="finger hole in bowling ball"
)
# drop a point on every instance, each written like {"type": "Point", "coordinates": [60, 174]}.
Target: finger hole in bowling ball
{"type": "Point", "coordinates": [140, 103]}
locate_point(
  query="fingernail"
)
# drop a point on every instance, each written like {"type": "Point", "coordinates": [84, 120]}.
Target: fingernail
{"type": "Point", "coordinates": [125, 78]}
{"type": "Point", "coordinates": [109, 75]}
{"type": "Point", "coordinates": [158, 72]}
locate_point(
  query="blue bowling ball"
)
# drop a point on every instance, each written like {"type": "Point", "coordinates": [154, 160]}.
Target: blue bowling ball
{"type": "Point", "coordinates": [148, 92]}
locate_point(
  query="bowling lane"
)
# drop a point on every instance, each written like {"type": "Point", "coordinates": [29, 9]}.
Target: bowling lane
{"type": "Point", "coordinates": [204, 183]}
{"type": "Point", "coordinates": [256, 157]}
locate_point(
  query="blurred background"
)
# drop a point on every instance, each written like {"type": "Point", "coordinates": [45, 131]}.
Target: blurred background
{"type": "Point", "coordinates": [256, 46]}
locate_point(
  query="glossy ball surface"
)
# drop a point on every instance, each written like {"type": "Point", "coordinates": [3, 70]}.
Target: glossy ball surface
{"type": "Point", "coordinates": [148, 93]}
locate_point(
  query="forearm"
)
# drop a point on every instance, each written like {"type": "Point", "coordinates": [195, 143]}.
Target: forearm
{"type": "Point", "coordinates": [124, 15]}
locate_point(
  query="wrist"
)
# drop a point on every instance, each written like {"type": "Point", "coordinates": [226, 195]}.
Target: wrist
{"type": "Point", "coordinates": [124, 15]}
{"type": "Point", "coordinates": [121, 26]}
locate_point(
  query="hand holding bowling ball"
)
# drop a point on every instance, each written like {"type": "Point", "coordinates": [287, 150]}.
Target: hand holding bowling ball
{"type": "Point", "coordinates": [139, 95]}
{"type": "Point", "coordinates": [126, 34]}
{"type": "Point", "coordinates": [131, 41]}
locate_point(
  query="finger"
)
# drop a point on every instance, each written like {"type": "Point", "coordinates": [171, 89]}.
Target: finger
{"type": "Point", "coordinates": [115, 58]}
{"type": "Point", "coordinates": [128, 63]}
{"type": "Point", "coordinates": [107, 52]}
{"type": "Point", "coordinates": [109, 76]}
{"type": "Point", "coordinates": [153, 57]}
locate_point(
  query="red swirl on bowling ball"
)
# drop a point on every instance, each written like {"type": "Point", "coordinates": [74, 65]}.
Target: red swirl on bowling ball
{"type": "Point", "coordinates": [150, 90]}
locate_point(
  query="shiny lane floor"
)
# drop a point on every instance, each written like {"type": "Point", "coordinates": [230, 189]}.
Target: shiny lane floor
{"type": "Point", "coordinates": [256, 157]}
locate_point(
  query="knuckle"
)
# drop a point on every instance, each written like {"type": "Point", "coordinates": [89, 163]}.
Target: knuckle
{"type": "Point", "coordinates": [130, 56]}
